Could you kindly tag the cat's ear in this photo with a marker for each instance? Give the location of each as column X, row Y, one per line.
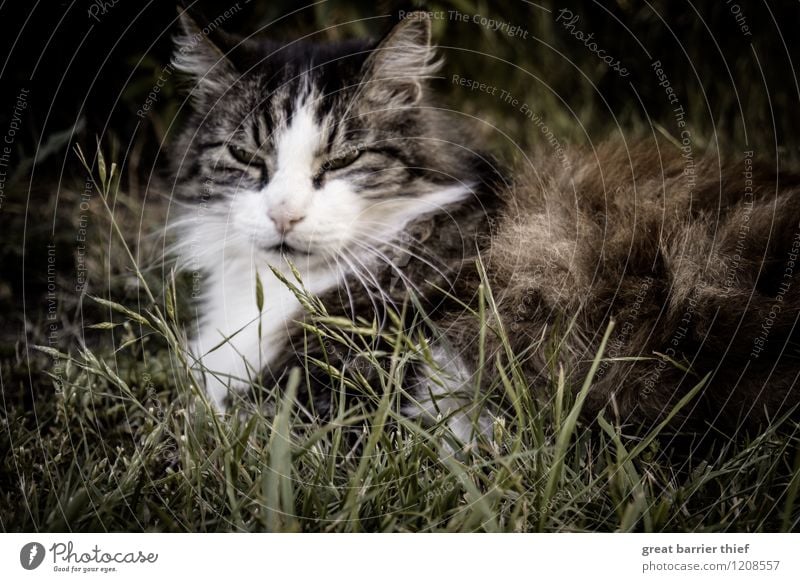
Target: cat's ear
column 396, row 71
column 202, row 55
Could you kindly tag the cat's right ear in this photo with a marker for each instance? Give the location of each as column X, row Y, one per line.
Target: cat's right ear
column 202, row 55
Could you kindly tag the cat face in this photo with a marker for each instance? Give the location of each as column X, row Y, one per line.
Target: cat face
column 310, row 150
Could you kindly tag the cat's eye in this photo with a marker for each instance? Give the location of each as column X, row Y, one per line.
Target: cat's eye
column 242, row 155
column 342, row 159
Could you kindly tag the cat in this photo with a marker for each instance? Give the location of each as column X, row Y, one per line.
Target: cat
column 333, row 163
column 325, row 156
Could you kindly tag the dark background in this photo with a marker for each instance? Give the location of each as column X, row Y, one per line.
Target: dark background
column 96, row 72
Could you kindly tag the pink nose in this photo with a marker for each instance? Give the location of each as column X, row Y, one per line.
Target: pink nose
column 284, row 219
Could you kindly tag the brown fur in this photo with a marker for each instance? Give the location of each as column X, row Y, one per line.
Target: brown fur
column 690, row 272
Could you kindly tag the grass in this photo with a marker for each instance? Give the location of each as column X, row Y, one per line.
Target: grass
column 111, row 433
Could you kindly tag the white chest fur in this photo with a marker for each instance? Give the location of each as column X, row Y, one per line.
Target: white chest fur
column 231, row 313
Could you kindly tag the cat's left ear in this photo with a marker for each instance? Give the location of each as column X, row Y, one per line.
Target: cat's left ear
column 203, row 55
column 398, row 67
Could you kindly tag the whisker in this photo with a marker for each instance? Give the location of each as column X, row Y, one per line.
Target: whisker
column 387, row 300
column 408, row 283
column 411, row 253
column 364, row 284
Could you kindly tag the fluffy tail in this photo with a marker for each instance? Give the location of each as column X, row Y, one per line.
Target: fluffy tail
column 697, row 263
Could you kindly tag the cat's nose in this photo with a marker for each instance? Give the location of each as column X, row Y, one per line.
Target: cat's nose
column 284, row 219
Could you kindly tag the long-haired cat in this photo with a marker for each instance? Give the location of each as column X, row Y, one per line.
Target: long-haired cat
column 333, row 159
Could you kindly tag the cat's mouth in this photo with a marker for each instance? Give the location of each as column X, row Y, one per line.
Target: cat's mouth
column 285, row 248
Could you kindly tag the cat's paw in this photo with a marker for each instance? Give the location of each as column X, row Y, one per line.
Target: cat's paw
column 216, row 392
column 464, row 433
column 221, row 373
column 219, row 387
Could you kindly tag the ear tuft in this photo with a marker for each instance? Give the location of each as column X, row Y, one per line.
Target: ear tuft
column 398, row 67
column 202, row 59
